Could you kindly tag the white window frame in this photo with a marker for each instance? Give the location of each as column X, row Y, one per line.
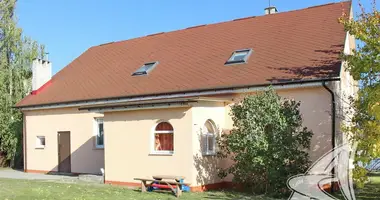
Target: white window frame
column 143, row 72
column 153, row 140
column 205, row 136
column 38, row 141
column 231, row 60
column 97, row 121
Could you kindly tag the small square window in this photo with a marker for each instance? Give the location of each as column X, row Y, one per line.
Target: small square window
column 145, row 69
column 40, row 142
column 240, row 56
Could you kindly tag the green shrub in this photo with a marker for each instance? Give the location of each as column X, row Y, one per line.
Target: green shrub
column 267, row 144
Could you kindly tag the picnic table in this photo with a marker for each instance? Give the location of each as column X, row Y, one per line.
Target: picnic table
column 174, row 183
column 176, row 178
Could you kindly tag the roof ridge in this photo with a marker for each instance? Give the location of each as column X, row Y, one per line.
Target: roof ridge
column 106, row 43
column 316, row 6
column 153, row 34
column 289, row 11
column 244, row 18
column 237, row 19
column 197, row 26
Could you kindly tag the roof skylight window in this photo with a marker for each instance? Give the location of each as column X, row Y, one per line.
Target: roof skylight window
column 145, row 69
column 239, row 56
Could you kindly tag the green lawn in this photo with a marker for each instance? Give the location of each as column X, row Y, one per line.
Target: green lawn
column 24, row 190
column 371, row 190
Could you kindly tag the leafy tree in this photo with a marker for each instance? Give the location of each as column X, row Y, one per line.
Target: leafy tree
column 267, row 144
column 364, row 66
column 16, row 55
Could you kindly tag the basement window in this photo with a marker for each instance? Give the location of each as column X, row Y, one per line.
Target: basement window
column 145, row 69
column 239, row 56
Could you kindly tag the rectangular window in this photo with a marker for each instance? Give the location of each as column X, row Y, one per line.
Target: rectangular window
column 208, row 141
column 40, row 142
column 239, row 56
column 145, row 69
column 99, row 133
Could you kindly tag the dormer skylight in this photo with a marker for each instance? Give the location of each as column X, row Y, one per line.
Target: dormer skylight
column 145, row 69
column 239, row 56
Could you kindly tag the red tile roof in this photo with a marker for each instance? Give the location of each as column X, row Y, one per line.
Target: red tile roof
column 295, row 45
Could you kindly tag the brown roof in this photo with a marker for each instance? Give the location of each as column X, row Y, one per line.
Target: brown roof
column 288, row 46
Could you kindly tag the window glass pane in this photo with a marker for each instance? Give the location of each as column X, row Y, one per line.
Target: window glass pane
column 40, row 141
column 164, row 126
column 163, row 142
column 210, row 143
column 144, row 69
column 238, row 58
column 163, row 138
column 209, row 134
column 100, row 136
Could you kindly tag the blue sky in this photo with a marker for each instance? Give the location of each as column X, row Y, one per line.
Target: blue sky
column 69, row 27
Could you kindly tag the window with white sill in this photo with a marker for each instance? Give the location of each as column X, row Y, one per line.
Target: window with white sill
column 163, row 139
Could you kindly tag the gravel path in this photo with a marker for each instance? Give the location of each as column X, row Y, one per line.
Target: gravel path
column 15, row 174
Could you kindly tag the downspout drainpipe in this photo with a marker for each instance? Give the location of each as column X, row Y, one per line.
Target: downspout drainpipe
column 333, row 113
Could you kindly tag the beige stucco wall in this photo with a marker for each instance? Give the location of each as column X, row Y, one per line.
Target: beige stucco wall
column 84, row 157
column 315, row 109
column 205, row 166
column 128, row 139
column 316, row 114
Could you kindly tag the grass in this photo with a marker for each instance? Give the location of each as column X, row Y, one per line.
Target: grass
column 44, row 190
column 371, row 191
column 28, row 190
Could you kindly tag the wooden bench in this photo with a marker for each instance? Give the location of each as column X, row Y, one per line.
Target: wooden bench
column 175, row 186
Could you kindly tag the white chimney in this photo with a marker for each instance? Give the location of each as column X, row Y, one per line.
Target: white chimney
column 41, row 70
column 270, row 10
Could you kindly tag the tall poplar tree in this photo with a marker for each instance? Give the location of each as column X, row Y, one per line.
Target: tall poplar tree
column 364, row 66
column 16, row 55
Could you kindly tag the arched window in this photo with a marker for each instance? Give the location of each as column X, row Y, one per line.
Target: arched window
column 208, row 138
column 163, row 138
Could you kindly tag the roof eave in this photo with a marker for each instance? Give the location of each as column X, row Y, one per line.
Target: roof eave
column 181, row 94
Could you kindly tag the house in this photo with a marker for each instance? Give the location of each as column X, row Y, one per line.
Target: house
column 154, row 104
